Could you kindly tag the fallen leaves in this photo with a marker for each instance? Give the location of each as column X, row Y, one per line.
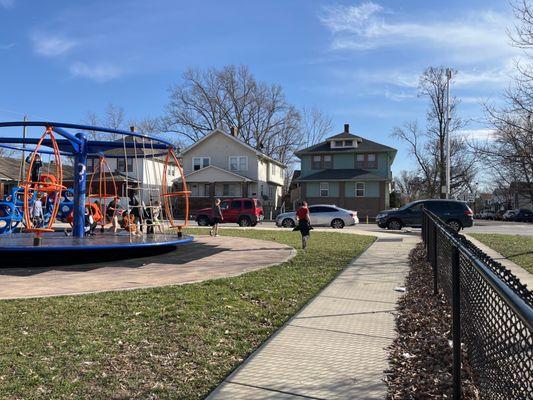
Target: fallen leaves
column 421, row 357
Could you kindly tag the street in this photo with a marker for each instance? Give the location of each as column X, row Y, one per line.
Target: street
column 480, row 226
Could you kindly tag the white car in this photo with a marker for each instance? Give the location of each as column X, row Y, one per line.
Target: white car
column 487, row 214
column 509, row 215
column 321, row 215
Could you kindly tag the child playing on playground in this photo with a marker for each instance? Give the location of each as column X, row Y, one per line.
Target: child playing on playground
column 112, row 213
column 90, row 224
column 36, row 167
column 37, row 212
column 217, row 218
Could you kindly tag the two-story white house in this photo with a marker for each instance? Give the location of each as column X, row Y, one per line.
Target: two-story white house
column 139, row 168
column 221, row 165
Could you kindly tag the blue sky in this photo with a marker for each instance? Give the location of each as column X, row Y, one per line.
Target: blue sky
column 358, row 61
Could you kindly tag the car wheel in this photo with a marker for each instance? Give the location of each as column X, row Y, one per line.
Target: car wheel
column 455, row 225
column 244, row 221
column 288, row 223
column 394, row 225
column 202, row 220
column 337, row 223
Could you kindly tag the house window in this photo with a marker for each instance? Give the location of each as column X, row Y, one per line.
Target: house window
column 324, row 189
column 225, row 189
column 238, row 163
column 317, row 162
column 199, row 189
column 91, row 164
column 338, row 143
column 348, row 143
column 360, row 161
column 200, row 162
column 121, row 165
column 327, row 163
column 372, row 162
column 359, row 189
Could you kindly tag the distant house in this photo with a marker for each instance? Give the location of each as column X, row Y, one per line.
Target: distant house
column 221, row 165
column 349, row 171
column 10, row 171
column 140, row 167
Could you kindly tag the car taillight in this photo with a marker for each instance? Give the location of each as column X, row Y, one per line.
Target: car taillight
column 469, row 213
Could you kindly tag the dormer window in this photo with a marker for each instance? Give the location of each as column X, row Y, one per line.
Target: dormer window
column 343, row 143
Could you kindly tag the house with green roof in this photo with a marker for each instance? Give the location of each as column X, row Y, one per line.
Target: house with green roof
column 349, row 171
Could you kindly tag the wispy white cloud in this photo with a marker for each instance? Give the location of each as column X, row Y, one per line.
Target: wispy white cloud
column 50, row 46
column 399, row 96
column 7, row 3
column 7, row 46
column 370, row 26
column 96, row 72
column 477, row 134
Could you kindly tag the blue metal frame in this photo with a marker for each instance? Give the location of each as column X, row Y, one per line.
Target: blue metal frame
column 80, row 148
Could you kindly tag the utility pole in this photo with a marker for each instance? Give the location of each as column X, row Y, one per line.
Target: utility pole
column 448, row 119
column 23, row 162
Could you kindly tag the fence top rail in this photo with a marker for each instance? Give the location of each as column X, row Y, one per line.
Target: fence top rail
column 516, row 302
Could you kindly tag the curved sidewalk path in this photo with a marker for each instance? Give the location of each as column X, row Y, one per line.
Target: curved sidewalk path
column 205, row 258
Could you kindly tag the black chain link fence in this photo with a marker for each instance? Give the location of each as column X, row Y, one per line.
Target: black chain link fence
column 492, row 313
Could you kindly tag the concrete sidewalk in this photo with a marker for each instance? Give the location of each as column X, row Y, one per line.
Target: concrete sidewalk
column 336, row 347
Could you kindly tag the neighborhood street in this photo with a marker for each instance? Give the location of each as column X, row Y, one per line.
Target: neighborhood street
column 480, row 226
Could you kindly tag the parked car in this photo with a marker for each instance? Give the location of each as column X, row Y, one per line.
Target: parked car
column 321, row 215
column 509, row 215
column 487, row 214
column 498, row 216
column 243, row 211
column 523, row 215
column 455, row 213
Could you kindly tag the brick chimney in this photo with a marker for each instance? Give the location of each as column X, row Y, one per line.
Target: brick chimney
column 346, row 128
column 234, row 131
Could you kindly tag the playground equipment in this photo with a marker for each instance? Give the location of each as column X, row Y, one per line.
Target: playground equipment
column 144, row 188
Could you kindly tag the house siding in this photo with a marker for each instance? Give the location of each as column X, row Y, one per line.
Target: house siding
column 344, row 161
column 219, row 147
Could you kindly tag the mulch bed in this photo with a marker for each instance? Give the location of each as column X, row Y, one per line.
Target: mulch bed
column 421, row 356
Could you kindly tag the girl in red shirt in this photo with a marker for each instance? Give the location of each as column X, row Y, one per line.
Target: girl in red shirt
column 304, row 223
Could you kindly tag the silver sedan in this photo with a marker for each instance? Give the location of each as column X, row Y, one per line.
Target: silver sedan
column 321, row 215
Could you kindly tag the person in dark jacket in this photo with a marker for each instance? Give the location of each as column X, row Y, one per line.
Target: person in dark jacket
column 35, row 168
column 217, row 218
column 136, row 210
column 304, row 223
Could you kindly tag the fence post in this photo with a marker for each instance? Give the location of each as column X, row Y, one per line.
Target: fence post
column 435, row 258
column 456, row 322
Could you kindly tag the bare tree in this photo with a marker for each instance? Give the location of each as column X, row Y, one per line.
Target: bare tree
column 315, row 125
column 232, row 97
column 427, row 144
column 509, row 154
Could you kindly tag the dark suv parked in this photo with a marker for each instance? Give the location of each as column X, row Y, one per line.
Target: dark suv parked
column 523, row 215
column 456, row 213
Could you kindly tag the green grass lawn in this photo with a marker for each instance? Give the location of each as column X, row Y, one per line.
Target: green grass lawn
column 168, row 343
column 516, row 248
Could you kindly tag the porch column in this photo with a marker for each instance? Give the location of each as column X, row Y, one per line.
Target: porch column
column 212, row 192
column 244, row 189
